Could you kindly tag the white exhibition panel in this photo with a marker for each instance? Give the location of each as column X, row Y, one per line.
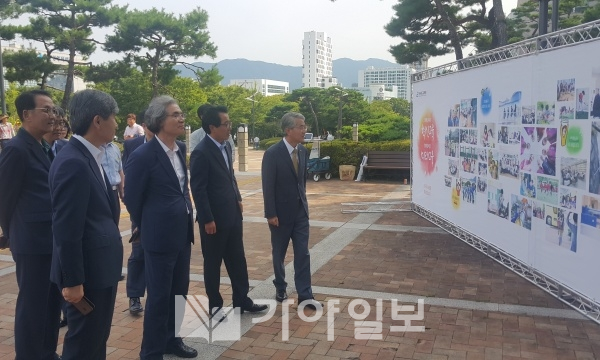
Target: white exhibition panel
column 508, row 152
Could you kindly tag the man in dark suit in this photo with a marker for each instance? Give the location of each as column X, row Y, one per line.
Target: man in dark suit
column 26, row 219
column 159, row 202
column 219, row 213
column 88, row 252
column 286, row 208
column 136, row 279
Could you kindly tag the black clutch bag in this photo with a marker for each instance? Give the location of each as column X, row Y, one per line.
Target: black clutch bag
column 135, row 236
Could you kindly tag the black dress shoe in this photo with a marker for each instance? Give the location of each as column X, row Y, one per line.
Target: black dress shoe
column 254, row 308
column 281, row 295
column 135, row 306
column 310, row 304
column 180, row 349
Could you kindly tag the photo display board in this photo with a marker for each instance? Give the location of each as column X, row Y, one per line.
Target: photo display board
column 511, row 153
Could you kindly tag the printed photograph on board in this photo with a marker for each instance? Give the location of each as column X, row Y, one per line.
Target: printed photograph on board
column 482, row 169
column 481, row 184
column 468, row 113
column 538, row 150
column 561, row 228
column 565, row 90
column 468, row 136
column 469, row 186
column 567, row 197
column 590, row 216
column 527, row 185
column 468, row 159
column 453, row 116
column 447, row 181
column 595, row 104
column 487, row 135
column 547, row 189
column 453, row 167
column 528, row 115
column 509, row 165
column 544, row 113
column 538, row 209
column 520, row 211
column 497, row 202
column 573, row 172
column 451, row 143
column 582, row 107
column 509, row 110
column 566, row 112
column 594, row 173
column 493, row 169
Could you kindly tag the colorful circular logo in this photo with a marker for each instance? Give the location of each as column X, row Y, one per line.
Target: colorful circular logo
column 428, row 142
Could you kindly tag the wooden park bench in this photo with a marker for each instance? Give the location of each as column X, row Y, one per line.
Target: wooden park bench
column 387, row 160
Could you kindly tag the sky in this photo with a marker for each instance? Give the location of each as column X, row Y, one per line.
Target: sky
column 272, row 30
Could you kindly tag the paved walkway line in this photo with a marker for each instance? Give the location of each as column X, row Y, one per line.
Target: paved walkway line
column 453, row 303
column 320, row 254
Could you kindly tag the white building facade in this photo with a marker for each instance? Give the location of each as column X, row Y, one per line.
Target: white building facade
column 396, row 76
column 378, row 92
column 317, row 62
column 264, row 86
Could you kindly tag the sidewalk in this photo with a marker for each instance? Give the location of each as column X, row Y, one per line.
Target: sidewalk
column 474, row 308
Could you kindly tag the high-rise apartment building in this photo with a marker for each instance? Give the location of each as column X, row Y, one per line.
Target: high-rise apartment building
column 396, row 76
column 317, row 63
column 264, row 86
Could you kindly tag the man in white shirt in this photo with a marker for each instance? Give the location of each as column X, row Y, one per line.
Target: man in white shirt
column 132, row 130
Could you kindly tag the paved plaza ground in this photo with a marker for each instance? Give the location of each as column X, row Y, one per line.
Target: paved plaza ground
column 474, row 308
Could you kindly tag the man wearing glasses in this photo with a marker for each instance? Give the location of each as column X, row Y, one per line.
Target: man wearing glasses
column 26, row 219
column 219, row 214
column 286, row 207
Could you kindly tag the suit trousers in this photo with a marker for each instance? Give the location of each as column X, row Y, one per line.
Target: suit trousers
column 298, row 231
column 226, row 245
column 167, row 275
column 37, row 313
column 116, row 206
column 87, row 334
column 136, row 278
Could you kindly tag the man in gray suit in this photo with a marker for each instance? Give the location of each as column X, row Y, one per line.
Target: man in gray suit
column 286, row 208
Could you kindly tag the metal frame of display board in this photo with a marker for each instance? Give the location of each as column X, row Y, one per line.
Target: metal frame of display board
column 568, row 37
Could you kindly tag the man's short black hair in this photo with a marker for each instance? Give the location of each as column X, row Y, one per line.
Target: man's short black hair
column 202, row 110
column 211, row 117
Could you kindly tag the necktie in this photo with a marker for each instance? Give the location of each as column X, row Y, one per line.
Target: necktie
column 295, row 159
column 48, row 151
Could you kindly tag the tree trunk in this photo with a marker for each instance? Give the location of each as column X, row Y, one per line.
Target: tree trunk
column 155, row 64
column 69, row 83
column 314, row 115
column 454, row 38
column 498, row 25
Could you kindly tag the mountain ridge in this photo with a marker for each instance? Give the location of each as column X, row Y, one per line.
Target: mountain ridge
column 344, row 69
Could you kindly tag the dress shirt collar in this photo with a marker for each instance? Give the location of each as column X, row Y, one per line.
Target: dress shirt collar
column 289, row 147
column 97, row 153
column 175, row 148
column 216, row 142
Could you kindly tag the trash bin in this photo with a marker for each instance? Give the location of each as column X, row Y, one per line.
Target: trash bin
column 347, row 172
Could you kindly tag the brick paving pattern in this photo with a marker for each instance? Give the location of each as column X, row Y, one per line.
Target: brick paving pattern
column 429, row 264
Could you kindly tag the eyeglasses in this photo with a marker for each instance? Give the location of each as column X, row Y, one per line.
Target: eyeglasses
column 301, row 127
column 60, row 124
column 226, row 123
column 177, row 115
column 49, row 111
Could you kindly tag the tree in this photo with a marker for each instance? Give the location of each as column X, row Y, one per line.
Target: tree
column 71, row 23
column 439, row 27
column 22, row 66
column 111, row 70
column 156, row 39
column 208, row 78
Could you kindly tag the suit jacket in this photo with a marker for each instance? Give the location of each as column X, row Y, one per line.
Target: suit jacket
column 155, row 200
column 282, row 187
column 129, row 146
column 214, row 186
column 25, row 207
column 87, row 242
column 60, row 144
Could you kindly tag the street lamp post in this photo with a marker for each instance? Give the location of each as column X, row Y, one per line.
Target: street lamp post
column 253, row 122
